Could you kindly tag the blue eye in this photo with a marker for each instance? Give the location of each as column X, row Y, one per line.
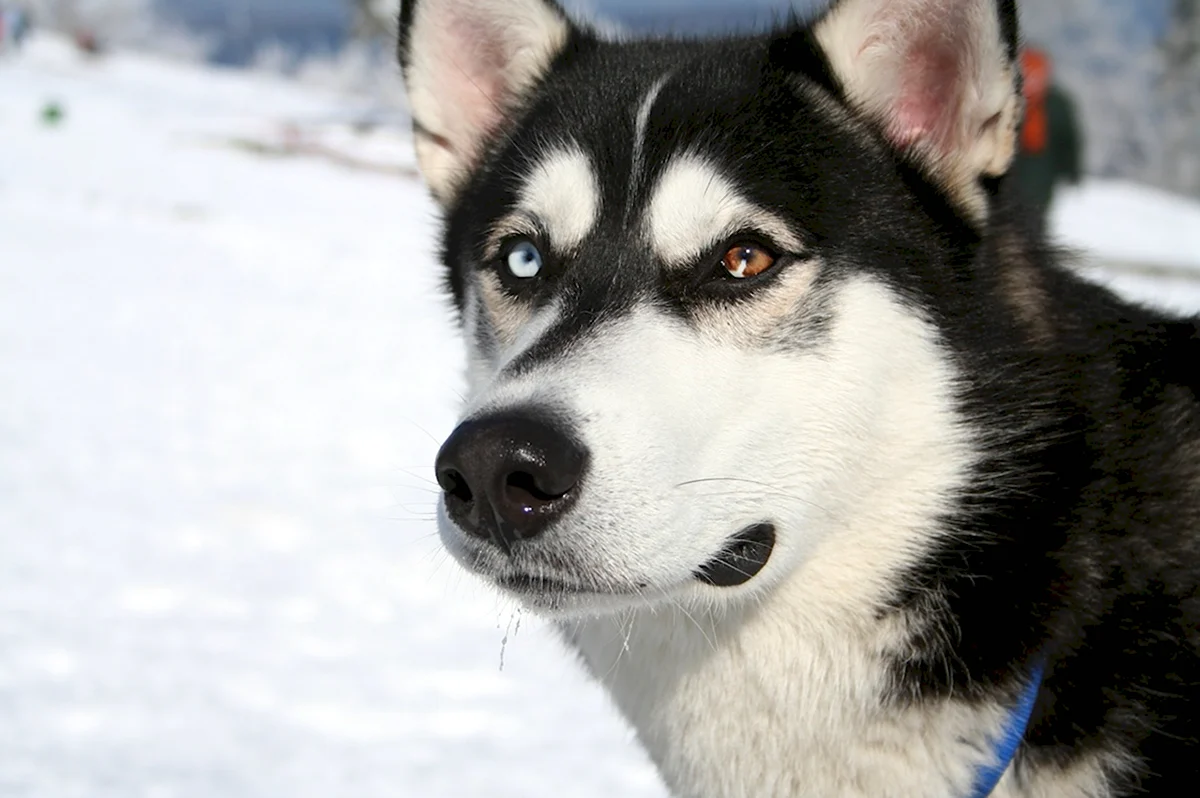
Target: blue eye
column 524, row 261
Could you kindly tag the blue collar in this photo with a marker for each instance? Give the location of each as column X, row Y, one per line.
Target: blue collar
column 1010, row 738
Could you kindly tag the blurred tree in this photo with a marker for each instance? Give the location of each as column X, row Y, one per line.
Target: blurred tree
column 1106, row 57
column 1180, row 92
column 374, row 19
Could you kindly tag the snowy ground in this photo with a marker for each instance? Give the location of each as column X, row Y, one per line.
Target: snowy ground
column 224, row 372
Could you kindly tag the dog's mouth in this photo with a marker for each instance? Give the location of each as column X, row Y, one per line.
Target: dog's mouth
column 531, row 584
column 743, row 557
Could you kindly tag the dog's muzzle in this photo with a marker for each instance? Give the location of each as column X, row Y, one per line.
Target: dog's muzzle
column 508, row 477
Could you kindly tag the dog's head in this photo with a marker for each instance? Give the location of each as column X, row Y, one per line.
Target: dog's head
column 696, row 280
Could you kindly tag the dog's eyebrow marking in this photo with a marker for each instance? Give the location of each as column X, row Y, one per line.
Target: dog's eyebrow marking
column 562, row 195
column 641, row 122
column 694, row 207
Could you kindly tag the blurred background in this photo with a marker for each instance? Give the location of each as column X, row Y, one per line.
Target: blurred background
column 1132, row 65
column 226, row 365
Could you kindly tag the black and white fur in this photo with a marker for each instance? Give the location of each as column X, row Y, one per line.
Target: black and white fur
column 974, row 463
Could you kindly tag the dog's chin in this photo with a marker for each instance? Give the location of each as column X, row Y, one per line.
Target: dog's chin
column 558, row 596
column 568, row 602
column 554, row 595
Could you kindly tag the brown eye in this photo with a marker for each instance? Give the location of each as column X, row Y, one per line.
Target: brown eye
column 747, row 260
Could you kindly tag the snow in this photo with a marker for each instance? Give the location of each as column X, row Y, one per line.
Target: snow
column 1136, row 239
column 1131, row 224
column 226, row 365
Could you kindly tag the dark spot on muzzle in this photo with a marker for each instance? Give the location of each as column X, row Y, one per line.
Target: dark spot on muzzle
column 744, row 555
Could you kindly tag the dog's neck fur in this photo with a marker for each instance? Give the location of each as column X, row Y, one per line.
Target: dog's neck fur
column 706, row 698
column 708, row 702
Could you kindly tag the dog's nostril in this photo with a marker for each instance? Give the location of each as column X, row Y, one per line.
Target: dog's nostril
column 519, row 483
column 507, row 477
column 454, row 484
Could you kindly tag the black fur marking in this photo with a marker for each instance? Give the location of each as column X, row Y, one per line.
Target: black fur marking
column 743, row 557
column 797, row 51
column 1079, row 544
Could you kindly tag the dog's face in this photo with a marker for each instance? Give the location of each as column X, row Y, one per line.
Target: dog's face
column 691, row 281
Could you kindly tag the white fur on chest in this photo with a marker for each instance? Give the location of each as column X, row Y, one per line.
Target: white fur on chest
column 768, row 704
column 761, row 706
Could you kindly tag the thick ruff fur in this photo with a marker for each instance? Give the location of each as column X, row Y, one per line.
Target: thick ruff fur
column 974, row 464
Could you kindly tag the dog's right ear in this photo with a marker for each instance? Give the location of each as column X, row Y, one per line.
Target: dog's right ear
column 467, row 65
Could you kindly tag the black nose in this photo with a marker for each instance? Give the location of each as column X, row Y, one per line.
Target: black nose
column 507, row 477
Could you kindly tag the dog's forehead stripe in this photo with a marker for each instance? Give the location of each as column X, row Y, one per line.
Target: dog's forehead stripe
column 694, row 207
column 562, row 193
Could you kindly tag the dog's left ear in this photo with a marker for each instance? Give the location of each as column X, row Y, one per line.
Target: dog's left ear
column 939, row 76
column 468, row 64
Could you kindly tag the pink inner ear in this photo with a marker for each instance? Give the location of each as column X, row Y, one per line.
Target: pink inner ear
column 929, row 101
column 478, row 60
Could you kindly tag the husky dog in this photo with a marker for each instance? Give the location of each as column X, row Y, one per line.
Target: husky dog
column 783, row 411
